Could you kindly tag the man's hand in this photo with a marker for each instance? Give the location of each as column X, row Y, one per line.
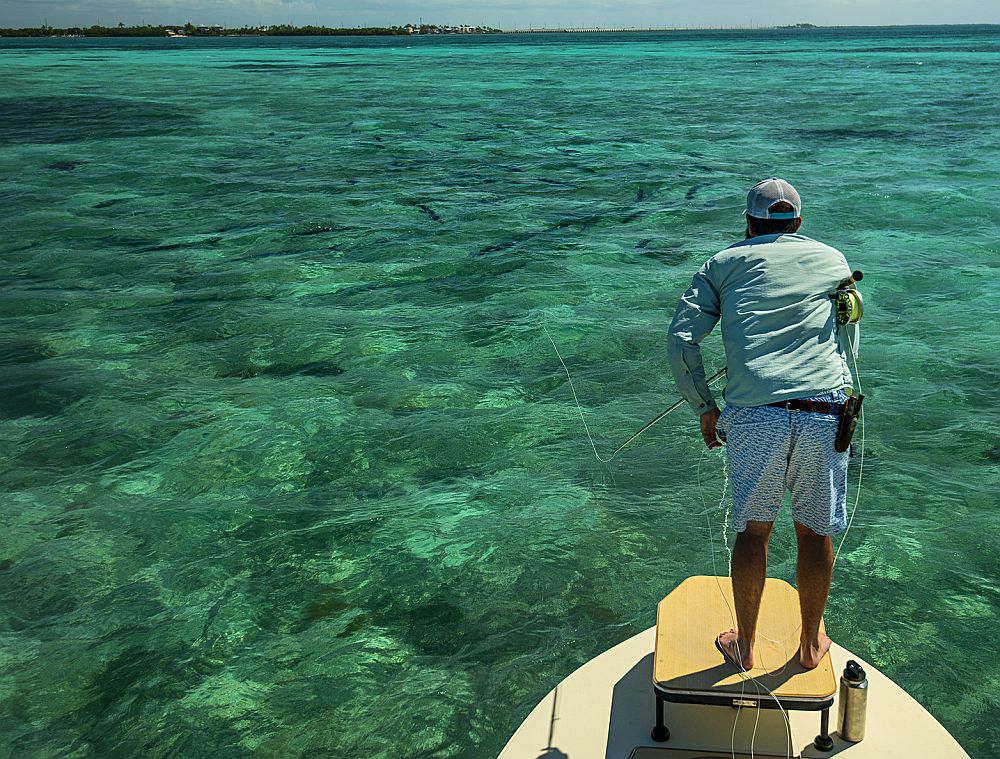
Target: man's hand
column 709, row 433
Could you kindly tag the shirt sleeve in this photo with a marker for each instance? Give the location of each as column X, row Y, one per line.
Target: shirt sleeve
column 696, row 316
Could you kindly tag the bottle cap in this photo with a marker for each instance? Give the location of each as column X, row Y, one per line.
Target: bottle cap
column 853, row 672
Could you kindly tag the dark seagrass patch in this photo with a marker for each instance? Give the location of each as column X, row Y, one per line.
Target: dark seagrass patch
column 74, row 118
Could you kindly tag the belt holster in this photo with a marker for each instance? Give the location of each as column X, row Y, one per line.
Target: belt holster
column 848, row 421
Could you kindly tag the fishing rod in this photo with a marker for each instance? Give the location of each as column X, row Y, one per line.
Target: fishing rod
column 579, row 408
column 649, row 424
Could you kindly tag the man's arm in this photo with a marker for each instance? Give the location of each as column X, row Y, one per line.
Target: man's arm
column 696, row 316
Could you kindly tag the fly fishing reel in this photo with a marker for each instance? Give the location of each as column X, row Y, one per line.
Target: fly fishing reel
column 847, row 301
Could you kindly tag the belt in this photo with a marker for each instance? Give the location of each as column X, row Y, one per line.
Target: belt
column 812, row 407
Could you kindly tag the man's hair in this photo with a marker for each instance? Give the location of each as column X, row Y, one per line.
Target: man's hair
column 773, row 226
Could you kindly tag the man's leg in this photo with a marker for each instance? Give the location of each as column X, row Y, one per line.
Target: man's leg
column 757, row 444
column 813, row 571
column 817, row 477
column 748, row 574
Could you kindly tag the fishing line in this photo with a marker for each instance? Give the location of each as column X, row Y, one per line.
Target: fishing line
column 575, row 399
column 744, row 674
column 722, row 500
column 645, row 427
column 852, row 337
column 861, row 460
column 705, row 509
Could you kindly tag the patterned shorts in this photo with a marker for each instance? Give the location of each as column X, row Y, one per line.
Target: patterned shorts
column 771, row 449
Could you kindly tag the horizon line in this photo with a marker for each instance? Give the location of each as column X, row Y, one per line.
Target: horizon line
column 559, row 28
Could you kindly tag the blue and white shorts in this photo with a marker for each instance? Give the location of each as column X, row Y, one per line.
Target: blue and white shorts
column 770, row 449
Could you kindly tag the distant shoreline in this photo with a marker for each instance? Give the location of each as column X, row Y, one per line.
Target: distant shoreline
column 279, row 30
column 188, row 30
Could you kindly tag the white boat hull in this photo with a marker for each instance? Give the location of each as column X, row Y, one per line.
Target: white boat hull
column 606, row 709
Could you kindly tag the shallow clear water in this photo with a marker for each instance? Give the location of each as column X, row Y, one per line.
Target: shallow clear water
column 289, row 465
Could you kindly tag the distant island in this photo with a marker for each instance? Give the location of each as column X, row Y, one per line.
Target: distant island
column 279, row 30
column 286, row 30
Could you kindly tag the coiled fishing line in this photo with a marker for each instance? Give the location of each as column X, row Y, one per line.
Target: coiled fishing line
column 723, row 503
column 744, row 674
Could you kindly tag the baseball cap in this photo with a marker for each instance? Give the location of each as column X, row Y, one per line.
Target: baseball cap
column 765, row 194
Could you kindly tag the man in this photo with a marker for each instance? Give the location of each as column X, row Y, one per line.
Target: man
column 787, row 373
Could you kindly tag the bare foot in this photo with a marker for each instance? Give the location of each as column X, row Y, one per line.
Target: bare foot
column 811, row 654
column 737, row 652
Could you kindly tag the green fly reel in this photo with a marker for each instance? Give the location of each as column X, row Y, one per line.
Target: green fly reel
column 850, row 307
column 847, row 300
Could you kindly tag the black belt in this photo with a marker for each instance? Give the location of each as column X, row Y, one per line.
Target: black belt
column 813, row 407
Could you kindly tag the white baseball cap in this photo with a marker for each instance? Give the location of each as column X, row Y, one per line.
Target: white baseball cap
column 765, row 194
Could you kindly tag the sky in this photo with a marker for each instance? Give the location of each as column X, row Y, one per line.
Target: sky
column 505, row 14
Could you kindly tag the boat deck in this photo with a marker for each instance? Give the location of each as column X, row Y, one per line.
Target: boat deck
column 606, row 709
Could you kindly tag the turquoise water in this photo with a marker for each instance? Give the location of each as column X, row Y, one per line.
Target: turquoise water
column 289, row 467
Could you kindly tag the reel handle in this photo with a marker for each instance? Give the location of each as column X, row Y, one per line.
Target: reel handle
column 856, row 276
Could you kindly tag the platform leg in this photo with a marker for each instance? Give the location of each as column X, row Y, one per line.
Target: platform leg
column 823, row 741
column 660, row 732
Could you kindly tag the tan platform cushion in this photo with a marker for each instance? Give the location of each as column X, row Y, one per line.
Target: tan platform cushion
column 687, row 661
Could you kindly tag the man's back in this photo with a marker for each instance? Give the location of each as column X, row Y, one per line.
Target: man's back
column 778, row 321
column 778, row 326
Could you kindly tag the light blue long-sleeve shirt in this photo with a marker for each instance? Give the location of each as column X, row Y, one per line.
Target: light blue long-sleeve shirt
column 778, row 323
